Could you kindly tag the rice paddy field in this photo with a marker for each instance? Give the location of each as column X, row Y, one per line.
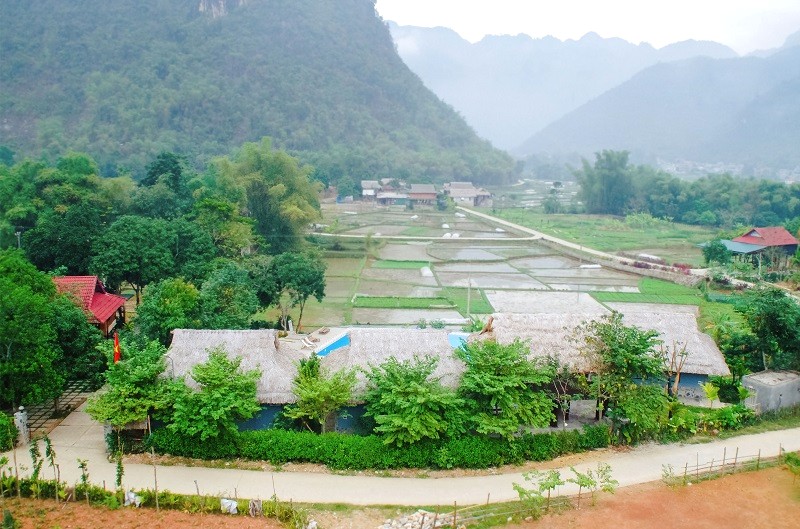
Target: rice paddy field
column 390, row 266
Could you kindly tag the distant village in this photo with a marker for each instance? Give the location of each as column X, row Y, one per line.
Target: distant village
column 393, row 192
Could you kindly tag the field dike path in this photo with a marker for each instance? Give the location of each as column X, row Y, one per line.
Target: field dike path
column 79, row 437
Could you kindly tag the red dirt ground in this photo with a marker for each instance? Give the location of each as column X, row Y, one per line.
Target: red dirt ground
column 750, row 500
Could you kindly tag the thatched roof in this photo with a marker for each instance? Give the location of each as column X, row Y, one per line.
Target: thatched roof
column 373, row 346
column 556, row 335
column 257, row 350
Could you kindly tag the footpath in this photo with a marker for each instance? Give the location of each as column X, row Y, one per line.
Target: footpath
column 79, row 437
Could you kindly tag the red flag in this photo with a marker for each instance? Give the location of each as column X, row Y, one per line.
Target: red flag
column 117, row 351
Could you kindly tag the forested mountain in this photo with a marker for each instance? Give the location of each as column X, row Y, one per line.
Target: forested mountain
column 124, row 81
column 508, row 87
column 743, row 110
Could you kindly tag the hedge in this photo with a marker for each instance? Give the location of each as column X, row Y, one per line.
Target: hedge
column 352, row 452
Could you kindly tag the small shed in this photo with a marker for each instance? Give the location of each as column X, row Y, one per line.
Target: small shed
column 772, row 390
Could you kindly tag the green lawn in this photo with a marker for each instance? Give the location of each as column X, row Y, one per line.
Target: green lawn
column 478, row 304
column 672, row 241
column 379, row 302
column 402, row 265
column 654, row 291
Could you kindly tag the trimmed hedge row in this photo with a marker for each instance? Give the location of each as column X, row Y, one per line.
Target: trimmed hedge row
column 352, row 452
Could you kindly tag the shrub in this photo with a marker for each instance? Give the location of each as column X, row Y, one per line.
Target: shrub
column 345, row 451
column 8, row 433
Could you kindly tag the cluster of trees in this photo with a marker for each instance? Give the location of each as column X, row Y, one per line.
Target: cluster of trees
column 208, row 250
column 612, row 186
column 770, row 336
column 45, row 339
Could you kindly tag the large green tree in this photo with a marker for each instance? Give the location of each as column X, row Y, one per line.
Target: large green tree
column 167, row 305
column 224, row 396
column 29, row 349
column 606, row 186
column 279, row 193
column 227, row 298
column 504, row 390
column 134, row 250
column 774, row 319
column 409, row 404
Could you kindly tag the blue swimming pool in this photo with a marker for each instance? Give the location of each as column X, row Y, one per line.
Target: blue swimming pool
column 341, row 341
column 457, row 339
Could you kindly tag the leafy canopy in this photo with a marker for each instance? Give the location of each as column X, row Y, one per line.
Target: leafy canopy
column 225, row 396
column 319, row 393
column 503, row 389
column 409, row 404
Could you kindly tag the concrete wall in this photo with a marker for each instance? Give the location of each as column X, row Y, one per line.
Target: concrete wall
column 767, row 397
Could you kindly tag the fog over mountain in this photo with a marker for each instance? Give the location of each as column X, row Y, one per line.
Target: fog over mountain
column 743, row 110
column 509, row 87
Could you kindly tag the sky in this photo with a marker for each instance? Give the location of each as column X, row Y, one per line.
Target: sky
column 744, row 25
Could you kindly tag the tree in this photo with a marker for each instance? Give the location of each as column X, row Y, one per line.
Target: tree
column 78, row 341
column 279, row 193
column 225, row 395
column 607, row 186
column 409, row 404
column 624, row 368
column 29, row 350
column 774, row 319
column 297, row 277
column 64, row 239
column 227, row 298
column 716, row 252
column 503, row 390
column 135, row 250
column 319, row 393
column 135, row 385
column 168, row 305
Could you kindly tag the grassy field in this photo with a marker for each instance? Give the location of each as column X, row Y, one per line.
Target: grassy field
column 401, row 265
column 392, row 302
column 478, row 304
column 669, row 240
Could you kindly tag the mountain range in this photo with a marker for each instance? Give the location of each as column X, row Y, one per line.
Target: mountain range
column 124, row 81
column 692, row 100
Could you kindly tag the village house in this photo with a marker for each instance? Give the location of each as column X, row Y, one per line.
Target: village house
column 422, row 195
column 102, row 309
column 466, row 194
column 775, row 242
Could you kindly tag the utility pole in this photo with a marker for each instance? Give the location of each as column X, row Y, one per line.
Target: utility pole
column 469, row 295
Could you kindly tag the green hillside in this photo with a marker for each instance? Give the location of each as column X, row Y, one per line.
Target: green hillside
column 123, row 81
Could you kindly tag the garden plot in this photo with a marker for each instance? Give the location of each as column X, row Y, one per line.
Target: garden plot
column 456, row 253
column 406, row 316
column 324, row 314
column 487, row 268
column 544, row 302
column 545, row 262
column 347, row 267
column 592, row 287
column 651, row 308
column 379, row 229
column 490, row 280
column 385, row 288
column 338, row 288
column 405, row 252
column 398, row 275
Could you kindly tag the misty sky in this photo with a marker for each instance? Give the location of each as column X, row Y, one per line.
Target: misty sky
column 744, row 25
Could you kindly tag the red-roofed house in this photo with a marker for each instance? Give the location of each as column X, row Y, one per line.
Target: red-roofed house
column 102, row 309
column 773, row 237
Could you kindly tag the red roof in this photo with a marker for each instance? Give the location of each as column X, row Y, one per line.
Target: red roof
column 90, row 293
column 773, row 236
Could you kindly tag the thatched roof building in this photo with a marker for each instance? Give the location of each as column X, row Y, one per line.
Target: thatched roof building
column 257, row 350
column 556, row 335
column 371, row 346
